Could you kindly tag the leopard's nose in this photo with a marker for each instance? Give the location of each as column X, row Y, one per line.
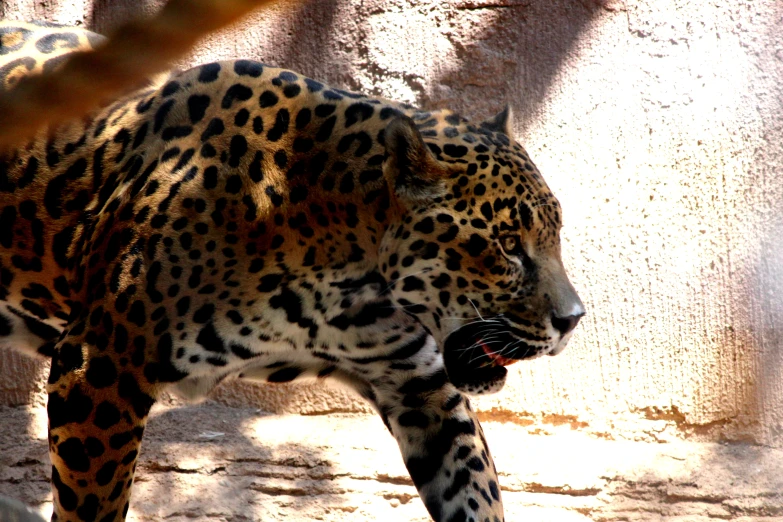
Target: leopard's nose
column 566, row 324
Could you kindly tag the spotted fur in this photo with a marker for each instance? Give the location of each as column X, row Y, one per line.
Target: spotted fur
column 240, row 220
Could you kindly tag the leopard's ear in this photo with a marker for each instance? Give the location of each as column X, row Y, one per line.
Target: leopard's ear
column 411, row 169
column 501, row 122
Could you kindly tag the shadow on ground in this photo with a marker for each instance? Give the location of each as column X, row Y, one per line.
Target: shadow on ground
column 211, row 462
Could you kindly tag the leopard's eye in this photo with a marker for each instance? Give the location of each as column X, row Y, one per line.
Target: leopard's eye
column 512, row 245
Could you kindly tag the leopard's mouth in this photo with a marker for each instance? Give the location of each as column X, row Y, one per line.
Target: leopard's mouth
column 474, row 360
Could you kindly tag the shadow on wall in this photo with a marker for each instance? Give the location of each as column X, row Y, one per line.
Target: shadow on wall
column 511, row 52
column 468, row 55
column 735, row 351
column 768, row 281
column 103, row 16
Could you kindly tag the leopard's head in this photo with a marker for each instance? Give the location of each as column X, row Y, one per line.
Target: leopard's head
column 475, row 255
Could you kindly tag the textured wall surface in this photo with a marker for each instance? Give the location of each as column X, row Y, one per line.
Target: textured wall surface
column 658, row 125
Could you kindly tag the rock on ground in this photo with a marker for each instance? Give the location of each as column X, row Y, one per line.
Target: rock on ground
column 216, row 463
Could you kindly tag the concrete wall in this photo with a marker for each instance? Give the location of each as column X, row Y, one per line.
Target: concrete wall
column 658, row 125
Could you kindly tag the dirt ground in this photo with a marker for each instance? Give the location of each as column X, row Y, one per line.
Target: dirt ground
column 217, row 463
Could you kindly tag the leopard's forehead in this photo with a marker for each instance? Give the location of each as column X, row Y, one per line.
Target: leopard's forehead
column 493, row 181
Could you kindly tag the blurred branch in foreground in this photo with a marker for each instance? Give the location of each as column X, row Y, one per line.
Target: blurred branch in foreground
column 135, row 51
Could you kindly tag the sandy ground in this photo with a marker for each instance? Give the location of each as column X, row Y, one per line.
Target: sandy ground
column 216, row 463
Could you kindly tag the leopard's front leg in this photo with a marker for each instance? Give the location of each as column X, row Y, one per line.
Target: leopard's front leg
column 442, row 445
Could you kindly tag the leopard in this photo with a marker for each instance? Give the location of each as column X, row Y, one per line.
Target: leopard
column 241, row 221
